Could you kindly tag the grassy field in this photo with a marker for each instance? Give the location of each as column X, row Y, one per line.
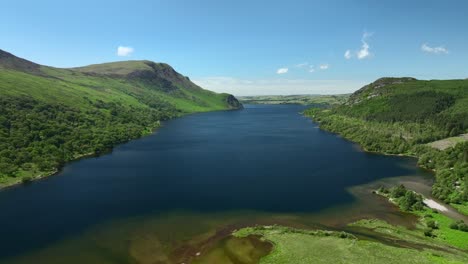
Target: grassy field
column 301, row 246
column 317, row 100
column 444, row 236
column 448, row 142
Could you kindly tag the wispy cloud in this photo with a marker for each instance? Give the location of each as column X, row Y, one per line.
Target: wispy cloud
column 434, row 50
column 305, row 66
column 123, row 51
column 302, row 65
column 348, row 54
column 278, row 86
column 324, row 67
column 282, row 70
column 363, row 52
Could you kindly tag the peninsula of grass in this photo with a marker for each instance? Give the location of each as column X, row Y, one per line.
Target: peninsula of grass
column 303, row 246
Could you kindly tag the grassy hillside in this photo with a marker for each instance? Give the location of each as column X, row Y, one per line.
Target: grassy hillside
column 49, row 116
column 316, row 100
column 403, row 115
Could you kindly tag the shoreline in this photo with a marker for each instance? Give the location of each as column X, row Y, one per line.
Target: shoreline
column 58, row 170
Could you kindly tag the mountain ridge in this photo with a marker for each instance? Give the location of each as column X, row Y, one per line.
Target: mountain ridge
column 12, row 62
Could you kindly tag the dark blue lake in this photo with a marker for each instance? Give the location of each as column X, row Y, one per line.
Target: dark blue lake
column 265, row 158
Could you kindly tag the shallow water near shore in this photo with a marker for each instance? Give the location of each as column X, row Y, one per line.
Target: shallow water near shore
column 176, row 195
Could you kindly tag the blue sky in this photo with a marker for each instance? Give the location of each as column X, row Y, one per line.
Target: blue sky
column 249, row 47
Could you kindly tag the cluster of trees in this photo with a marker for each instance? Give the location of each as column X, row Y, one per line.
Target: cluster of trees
column 406, row 199
column 37, row 137
column 459, row 225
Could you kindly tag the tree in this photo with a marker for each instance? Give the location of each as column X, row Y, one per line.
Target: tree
column 8, row 169
column 398, row 191
column 432, row 224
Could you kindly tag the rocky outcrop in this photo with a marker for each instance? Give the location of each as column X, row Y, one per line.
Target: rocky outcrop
column 233, row 103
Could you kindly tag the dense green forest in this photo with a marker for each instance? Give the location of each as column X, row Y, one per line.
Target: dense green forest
column 49, row 116
column 403, row 115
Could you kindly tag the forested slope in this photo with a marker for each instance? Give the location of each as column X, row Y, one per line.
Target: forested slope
column 403, row 115
column 49, row 116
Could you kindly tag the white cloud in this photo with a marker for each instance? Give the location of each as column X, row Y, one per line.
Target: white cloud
column 277, row 86
column 324, row 66
column 282, row 70
column 434, row 50
column 362, row 53
column 348, row 54
column 124, row 51
column 311, row 69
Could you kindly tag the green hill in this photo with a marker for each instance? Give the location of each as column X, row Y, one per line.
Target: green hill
column 49, row 116
column 403, row 116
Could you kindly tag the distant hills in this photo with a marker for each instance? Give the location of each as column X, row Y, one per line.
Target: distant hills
column 312, row 99
column 52, row 115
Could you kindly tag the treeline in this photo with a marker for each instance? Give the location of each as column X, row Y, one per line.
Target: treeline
column 406, row 137
column 37, row 138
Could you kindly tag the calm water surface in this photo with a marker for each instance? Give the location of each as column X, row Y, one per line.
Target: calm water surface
column 195, row 177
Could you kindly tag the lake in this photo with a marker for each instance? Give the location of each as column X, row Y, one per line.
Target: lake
column 178, row 191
